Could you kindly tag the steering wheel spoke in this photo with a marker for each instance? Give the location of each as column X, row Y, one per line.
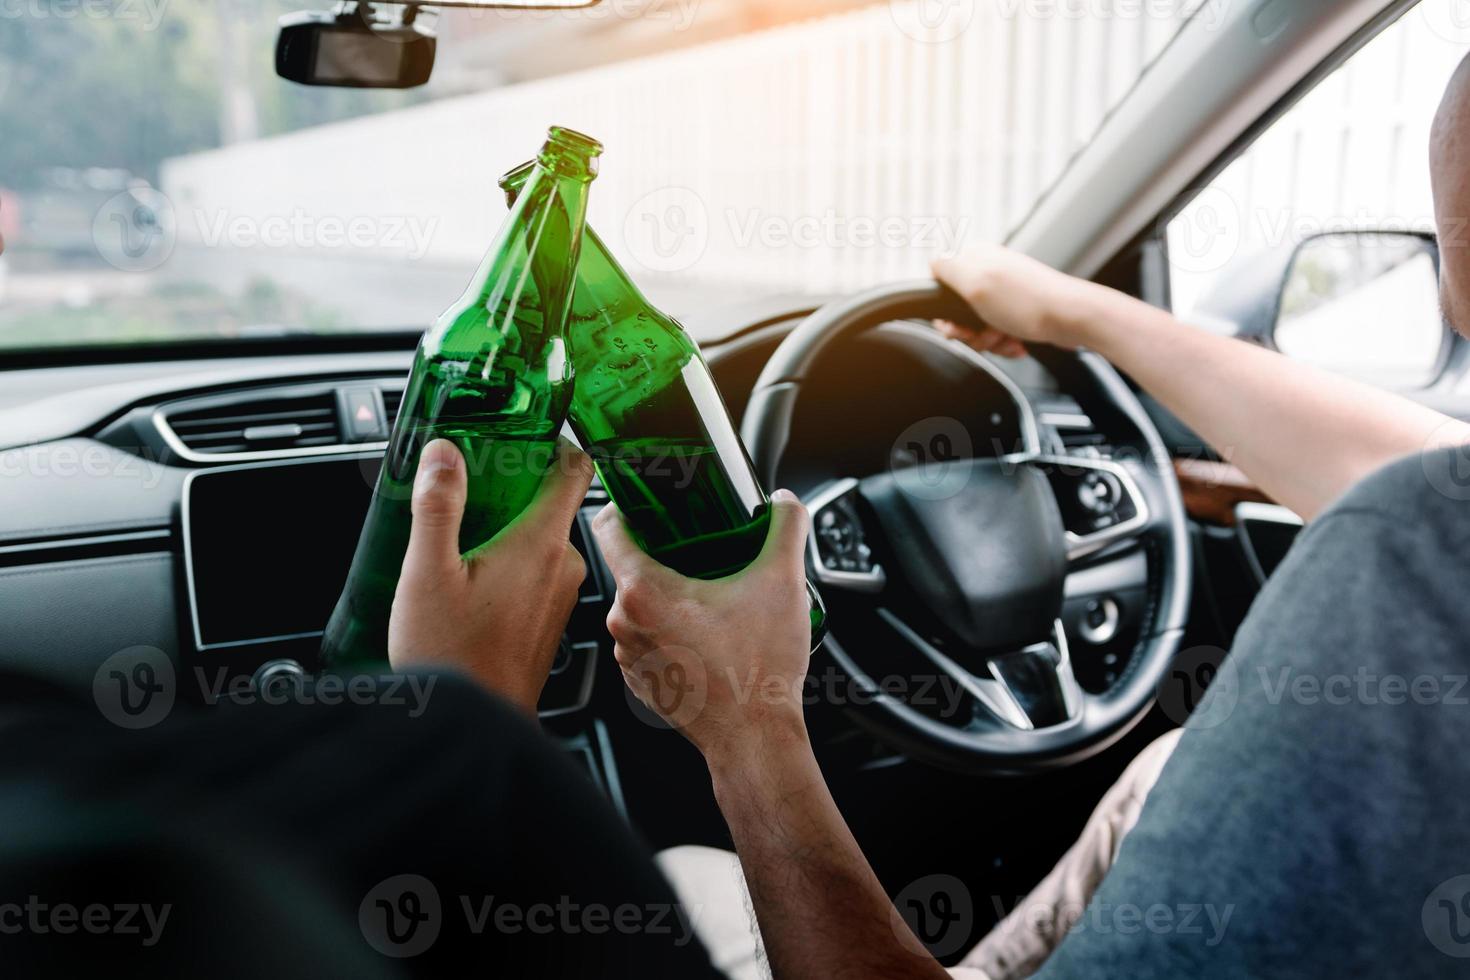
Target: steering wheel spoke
column 1024, row 689
column 838, row 547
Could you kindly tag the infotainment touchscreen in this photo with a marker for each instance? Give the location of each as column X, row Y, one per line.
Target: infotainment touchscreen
column 267, row 547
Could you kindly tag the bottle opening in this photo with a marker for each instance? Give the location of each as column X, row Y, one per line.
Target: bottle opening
column 570, row 153
column 576, row 142
column 512, row 180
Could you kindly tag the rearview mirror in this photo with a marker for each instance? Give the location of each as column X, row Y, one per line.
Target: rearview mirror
column 367, row 45
column 1365, row 304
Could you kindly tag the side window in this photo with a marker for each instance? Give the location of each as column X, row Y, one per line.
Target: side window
column 1275, row 247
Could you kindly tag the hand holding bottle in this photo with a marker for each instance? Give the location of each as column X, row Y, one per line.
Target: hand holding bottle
column 498, row 613
column 721, row 660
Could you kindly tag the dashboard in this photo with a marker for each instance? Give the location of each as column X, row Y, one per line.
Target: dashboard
column 208, row 508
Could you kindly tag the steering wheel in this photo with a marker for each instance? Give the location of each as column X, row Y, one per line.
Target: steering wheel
column 963, row 561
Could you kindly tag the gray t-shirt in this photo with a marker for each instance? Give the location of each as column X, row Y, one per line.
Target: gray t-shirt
column 1315, row 818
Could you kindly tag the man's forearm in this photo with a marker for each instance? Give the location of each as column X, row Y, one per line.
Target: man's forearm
column 822, row 911
column 1302, row 434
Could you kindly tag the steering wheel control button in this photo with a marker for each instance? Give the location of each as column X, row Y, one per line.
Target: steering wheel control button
column 840, row 553
column 1100, row 619
column 840, row 539
column 1099, row 493
column 1098, row 500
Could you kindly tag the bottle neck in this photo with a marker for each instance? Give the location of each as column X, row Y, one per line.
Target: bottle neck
column 525, row 282
column 603, row 287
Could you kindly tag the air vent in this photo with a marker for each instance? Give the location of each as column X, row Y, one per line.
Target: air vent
column 1071, row 432
column 392, row 398
column 259, row 425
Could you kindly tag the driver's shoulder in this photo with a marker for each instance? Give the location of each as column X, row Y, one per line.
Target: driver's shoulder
column 1424, row 494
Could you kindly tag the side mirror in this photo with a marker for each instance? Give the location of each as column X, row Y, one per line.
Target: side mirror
column 1365, row 304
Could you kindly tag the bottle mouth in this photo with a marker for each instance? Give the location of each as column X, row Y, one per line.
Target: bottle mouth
column 570, row 153
column 579, row 143
column 513, row 179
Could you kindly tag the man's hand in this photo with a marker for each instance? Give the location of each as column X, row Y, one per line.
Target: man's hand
column 499, row 613
column 724, row 662
column 721, row 661
column 1018, row 298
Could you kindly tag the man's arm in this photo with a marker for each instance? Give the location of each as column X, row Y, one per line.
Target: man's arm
column 1303, row 435
column 724, row 663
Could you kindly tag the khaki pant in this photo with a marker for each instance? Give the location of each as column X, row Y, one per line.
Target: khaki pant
column 712, row 889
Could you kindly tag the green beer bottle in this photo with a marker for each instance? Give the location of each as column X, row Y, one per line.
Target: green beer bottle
column 647, row 411
column 492, row 375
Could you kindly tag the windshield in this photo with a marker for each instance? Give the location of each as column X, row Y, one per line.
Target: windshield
column 158, row 182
